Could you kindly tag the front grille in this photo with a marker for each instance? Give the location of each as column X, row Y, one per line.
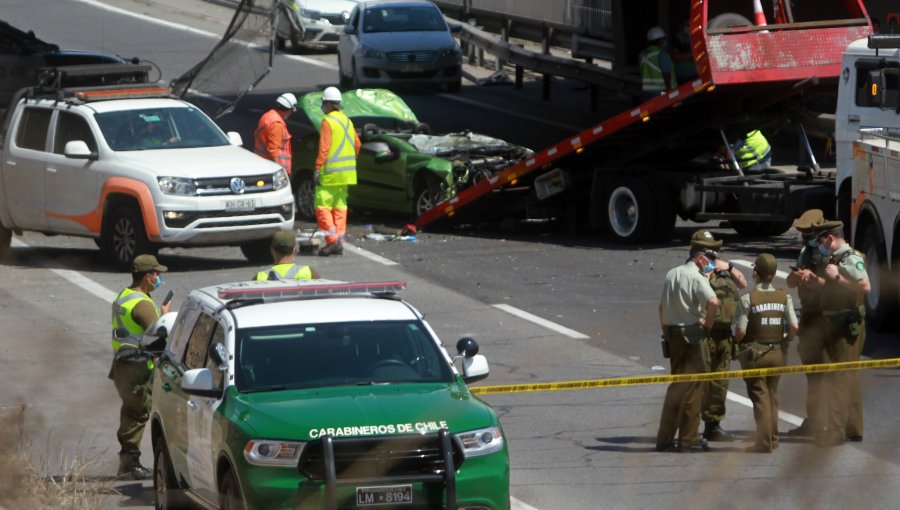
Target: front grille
column 329, row 38
column 211, row 215
column 401, row 75
column 411, row 56
column 379, row 457
column 222, row 185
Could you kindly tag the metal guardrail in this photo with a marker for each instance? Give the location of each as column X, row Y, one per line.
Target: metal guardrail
column 593, row 18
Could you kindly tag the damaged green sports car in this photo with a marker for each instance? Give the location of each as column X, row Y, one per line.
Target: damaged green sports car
column 402, row 167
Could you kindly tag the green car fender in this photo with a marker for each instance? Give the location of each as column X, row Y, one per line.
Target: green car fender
column 420, row 167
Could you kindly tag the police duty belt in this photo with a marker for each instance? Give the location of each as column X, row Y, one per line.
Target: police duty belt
column 683, row 378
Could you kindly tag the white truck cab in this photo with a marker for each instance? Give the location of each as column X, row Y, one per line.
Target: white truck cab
column 136, row 170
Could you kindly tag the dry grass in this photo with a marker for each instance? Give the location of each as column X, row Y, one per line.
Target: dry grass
column 25, row 482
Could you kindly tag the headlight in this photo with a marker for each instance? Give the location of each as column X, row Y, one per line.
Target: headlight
column 310, row 14
column 371, row 53
column 448, row 52
column 177, row 186
column 481, row 442
column 280, row 180
column 261, row 452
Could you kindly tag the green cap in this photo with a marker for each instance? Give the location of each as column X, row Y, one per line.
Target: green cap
column 146, row 263
column 705, row 239
column 809, row 220
column 765, row 264
column 828, row 227
column 284, row 241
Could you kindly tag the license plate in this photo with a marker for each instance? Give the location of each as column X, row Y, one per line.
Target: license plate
column 412, row 68
column 246, row 204
column 390, row 495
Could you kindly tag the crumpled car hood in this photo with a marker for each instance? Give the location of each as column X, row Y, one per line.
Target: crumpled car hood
column 454, row 143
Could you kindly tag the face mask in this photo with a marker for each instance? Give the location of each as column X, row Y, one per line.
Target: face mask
column 812, row 243
column 823, row 250
column 710, row 265
column 159, row 282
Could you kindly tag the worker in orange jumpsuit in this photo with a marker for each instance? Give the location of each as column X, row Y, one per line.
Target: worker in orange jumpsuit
column 272, row 138
column 335, row 171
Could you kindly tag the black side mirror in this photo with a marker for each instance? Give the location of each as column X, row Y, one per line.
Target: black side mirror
column 219, row 355
column 121, row 333
column 349, row 29
column 467, row 346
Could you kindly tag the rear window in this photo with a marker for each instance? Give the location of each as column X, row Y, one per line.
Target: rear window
column 32, row 133
column 351, row 353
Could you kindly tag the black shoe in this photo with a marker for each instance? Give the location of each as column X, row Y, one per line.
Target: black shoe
column 136, row 472
column 336, row 248
column 702, row 446
column 662, row 447
column 804, row 430
column 715, row 432
column 855, row 439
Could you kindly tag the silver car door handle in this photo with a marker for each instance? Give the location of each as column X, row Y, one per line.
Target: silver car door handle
column 51, row 169
column 11, row 163
column 191, row 404
column 853, row 118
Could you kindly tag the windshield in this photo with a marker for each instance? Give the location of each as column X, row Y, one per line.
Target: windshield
column 403, row 19
column 337, row 354
column 159, row 128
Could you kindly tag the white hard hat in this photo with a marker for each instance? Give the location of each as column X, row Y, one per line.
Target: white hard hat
column 331, row 94
column 287, row 101
column 656, row 33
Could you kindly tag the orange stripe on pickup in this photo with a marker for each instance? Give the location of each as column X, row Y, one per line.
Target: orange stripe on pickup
column 93, row 220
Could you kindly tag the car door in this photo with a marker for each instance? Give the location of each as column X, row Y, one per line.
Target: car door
column 24, row 168
column 347, row 44
column 200, row 410
column 72, row 186
column 381, row 184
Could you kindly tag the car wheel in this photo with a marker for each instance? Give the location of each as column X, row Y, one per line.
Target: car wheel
column 230, row 492
column 342, row 78
column 124, row 237
column 5, row 241
column 257, row 251
column 354, row 78
column 880, row 305
column 428, row 193
column 167, row 494
column 631, row 210
column 305, row 195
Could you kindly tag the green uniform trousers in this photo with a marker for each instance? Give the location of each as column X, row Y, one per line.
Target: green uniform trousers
column 715, row 392
column 811, row 348
column 681, row 408
column 842, row 387
column 132, row 380
column 854, row 403
column 763, row 392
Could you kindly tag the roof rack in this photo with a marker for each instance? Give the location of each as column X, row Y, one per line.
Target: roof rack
column 93, row 75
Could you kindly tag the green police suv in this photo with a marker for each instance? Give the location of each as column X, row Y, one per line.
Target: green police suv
column 319, row 394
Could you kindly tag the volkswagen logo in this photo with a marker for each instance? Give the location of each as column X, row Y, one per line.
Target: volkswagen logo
column 237, row 185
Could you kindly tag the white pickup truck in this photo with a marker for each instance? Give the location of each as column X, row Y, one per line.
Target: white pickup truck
column 135, row 170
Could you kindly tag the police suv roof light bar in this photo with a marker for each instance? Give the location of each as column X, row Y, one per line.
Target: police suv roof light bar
column 311, row 290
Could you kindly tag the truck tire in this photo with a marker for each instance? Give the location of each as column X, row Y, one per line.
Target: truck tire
column 631, row 210
column 305, row 195
column 881, row 304
column 257, row 251
column 123, row 237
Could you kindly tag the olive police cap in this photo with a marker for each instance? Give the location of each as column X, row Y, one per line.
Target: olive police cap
column 765, row 264
column 705, row 239
column 809, row 220
column 284, row 240
column 829, row 227
column 146, row 263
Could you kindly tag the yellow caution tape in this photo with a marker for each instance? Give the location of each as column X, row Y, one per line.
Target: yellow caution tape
column 680, row 378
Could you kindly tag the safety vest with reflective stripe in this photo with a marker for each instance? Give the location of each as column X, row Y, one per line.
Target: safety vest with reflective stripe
column 262, row 134
column 752, row 149
column 285, row 272
column 122, row 307
column 340, row 165
column 651, row 73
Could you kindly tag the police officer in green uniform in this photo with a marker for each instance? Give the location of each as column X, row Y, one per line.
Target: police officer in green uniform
column 805, row 278
column 686, row 295
column 131, row 370
column 759, row 329
column 284, row 249
column 726, row 281
column 844, row 286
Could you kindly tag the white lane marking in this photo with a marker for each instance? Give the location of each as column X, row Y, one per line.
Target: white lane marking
column 746, row 264
column 785, row 416
column 74, row 276
column 369, row 255
column 531, row 118
column 522, row 314
column 197, row 31
column 520, row 505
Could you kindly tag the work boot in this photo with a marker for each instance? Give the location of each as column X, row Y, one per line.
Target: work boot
column 806, row 429
column 702, row 446
column 130, row 468
column 335, row 248
column 714, row 432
